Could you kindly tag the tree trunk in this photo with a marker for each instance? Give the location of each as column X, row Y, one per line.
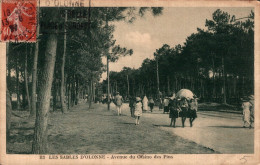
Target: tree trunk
column 168, row 85
column 134, row 91
column 34, row 70
column 108, row 85
column 94, row 92
column 26, row 82
column 69, row 93
column 214, row 81
column 72, row 93
column 40, row 131
column 224, row 81
column 54, row 95
column 176, row 85
column 8, row 113
column 157, row 74
column 77, row 90
column 62, row 95
column 90, row 94
column 128, row 88
column 17, row 84
column 235, row 87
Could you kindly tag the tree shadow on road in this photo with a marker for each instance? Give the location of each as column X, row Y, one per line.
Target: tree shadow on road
column 155, row 125
column 129, row 123
column 227, row 126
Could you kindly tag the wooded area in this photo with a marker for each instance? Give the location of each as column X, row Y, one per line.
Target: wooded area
column 216, row 63
column 64, row 64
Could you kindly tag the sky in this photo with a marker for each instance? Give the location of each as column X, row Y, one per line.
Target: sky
column 172, row 27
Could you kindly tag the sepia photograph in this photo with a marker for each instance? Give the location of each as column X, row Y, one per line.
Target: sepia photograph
column 86, row 81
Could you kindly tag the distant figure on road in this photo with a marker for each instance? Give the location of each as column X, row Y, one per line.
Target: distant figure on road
column 151, row 104
column 160, row 104
column 246, row 105
column 118, row 102
column 132, row 105
column 138, row 110
column 174, row 111
column 252, row 109
column 165, row 104
column 145, row 103
column 193, row 108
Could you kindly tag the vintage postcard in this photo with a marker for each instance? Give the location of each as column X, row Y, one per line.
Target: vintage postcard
column 129, row 82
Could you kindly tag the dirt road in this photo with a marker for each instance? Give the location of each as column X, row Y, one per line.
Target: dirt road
column 98, row 131
column 220, row 131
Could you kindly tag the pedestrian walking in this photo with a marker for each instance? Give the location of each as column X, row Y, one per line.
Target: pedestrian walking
column 145, row 103
column 132, row 105
column 118, row 101
column 160, row 104
column 151, row 104
column 252, row 110
column 165, row 105
column 184, row 109
column 138, row 110
column 193, row 108
column 246, row 105
column 174, row 111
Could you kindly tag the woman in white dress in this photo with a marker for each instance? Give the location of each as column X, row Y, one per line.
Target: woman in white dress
column 145, row 103
column 246, row 105
column 138, row 110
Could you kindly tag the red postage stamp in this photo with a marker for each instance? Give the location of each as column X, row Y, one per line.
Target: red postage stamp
column 18, row 19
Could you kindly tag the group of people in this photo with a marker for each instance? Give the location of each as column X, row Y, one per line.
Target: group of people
column 184, row 108
column 179, row 107
column 248, row 111
column 135, row 104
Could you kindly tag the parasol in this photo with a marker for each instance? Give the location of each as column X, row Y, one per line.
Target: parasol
column 184, row 93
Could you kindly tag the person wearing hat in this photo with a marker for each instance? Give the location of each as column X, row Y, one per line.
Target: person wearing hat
column 246, row 112
column 138, row 110
column 118, row 102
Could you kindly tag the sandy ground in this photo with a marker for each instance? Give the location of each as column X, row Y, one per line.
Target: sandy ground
column 89, row 131
column 220, row 131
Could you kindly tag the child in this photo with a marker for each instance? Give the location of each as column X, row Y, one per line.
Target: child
column 138, row 110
